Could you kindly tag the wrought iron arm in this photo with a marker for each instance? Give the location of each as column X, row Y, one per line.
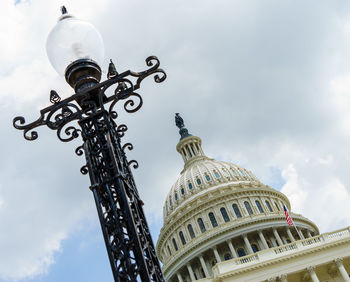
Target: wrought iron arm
column 91, row 115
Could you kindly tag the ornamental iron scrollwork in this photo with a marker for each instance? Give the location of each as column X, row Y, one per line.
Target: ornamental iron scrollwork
column 91, row 114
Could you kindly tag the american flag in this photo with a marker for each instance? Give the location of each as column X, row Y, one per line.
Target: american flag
column 288, row 218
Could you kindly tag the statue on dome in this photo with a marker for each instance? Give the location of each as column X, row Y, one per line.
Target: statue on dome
column 181, row 125
column 179, row 121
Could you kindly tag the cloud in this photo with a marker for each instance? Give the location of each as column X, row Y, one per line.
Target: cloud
column 264, row 86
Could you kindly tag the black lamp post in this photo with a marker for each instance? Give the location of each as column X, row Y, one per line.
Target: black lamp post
column 75, row 48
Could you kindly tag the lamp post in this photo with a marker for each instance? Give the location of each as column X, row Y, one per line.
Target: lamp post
column 75, row 49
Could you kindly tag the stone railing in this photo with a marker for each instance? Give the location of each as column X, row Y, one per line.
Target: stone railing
column 269, row 254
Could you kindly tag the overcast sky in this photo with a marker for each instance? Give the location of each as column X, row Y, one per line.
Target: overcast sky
column 265, row 84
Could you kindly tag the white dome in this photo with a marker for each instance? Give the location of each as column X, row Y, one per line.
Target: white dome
column 201, row 175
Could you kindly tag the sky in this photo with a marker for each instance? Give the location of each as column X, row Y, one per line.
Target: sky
column 265, row 84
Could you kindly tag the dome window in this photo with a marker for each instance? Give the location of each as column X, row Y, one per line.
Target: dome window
column 217, row 175
column 190, row 185
column 175, row 245
column 224, row 214
column 190, row 230
column 201, row 225
column 207, row 177
column 212, row 219
column 170, row 202
column 277, row 206
column 182, row 190
column 227, row 256
column 248, row 207
column 255, row 248
column 234, row 172
column 182, row 237
column 268, row 205
column 241, row 252
column 242, row 173
column 199, row 182
column 176, row 197
column 236, row 210
column 259, row 206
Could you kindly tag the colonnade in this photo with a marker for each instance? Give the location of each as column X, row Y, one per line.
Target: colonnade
column 200, row 267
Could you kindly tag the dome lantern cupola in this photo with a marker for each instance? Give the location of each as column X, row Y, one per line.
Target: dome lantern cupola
column 189, row 146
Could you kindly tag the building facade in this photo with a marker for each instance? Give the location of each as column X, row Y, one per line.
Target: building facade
column 222, row 224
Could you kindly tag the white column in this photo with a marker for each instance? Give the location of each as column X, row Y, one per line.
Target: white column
column 308, row 233
column 290, row 235
column 339, row 263
column 278, row 238
column 247, row 244
column 262, row 238
column 179, row 277
column 232, row 249
column 216, row 254
column 301, row 234
column 273, row 241
column 204, row 266
column 311, row 271
column 190, row 271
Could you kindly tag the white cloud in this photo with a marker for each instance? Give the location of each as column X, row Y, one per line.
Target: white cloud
column 264, row 85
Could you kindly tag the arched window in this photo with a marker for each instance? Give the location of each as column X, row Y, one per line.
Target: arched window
column 255, row 248
column 212, row 219
column 277, row 206
column 269, row 244
column 227, row 256
column 259, row 206
column 190, row 230
column 207, row 177
column 199, row 182
column 190, row 185
column 182, row 190
column 176, row 196
column 182, row 237
column 170, row 202
column 242, row 173
column 249, row 209
column 236, row 210
column 201, row 225
column 240, row 252
column 268, row 206
column 217, row 175
column 234, row 172
column 224, row 214
column 175, row 245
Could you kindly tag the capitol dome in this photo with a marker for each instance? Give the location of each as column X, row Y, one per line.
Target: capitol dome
column 218, row 211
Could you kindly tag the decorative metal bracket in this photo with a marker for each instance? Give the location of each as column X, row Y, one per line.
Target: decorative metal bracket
column 63, row 112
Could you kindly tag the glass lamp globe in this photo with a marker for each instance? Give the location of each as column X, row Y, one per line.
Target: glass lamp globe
column 71, row 40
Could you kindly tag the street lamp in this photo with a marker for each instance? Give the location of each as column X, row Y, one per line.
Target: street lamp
column 75, row 49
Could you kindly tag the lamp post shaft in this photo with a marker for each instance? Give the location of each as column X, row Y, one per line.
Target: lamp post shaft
column 129, row 244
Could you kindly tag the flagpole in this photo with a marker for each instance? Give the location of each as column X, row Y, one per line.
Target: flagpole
column 296, row 229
